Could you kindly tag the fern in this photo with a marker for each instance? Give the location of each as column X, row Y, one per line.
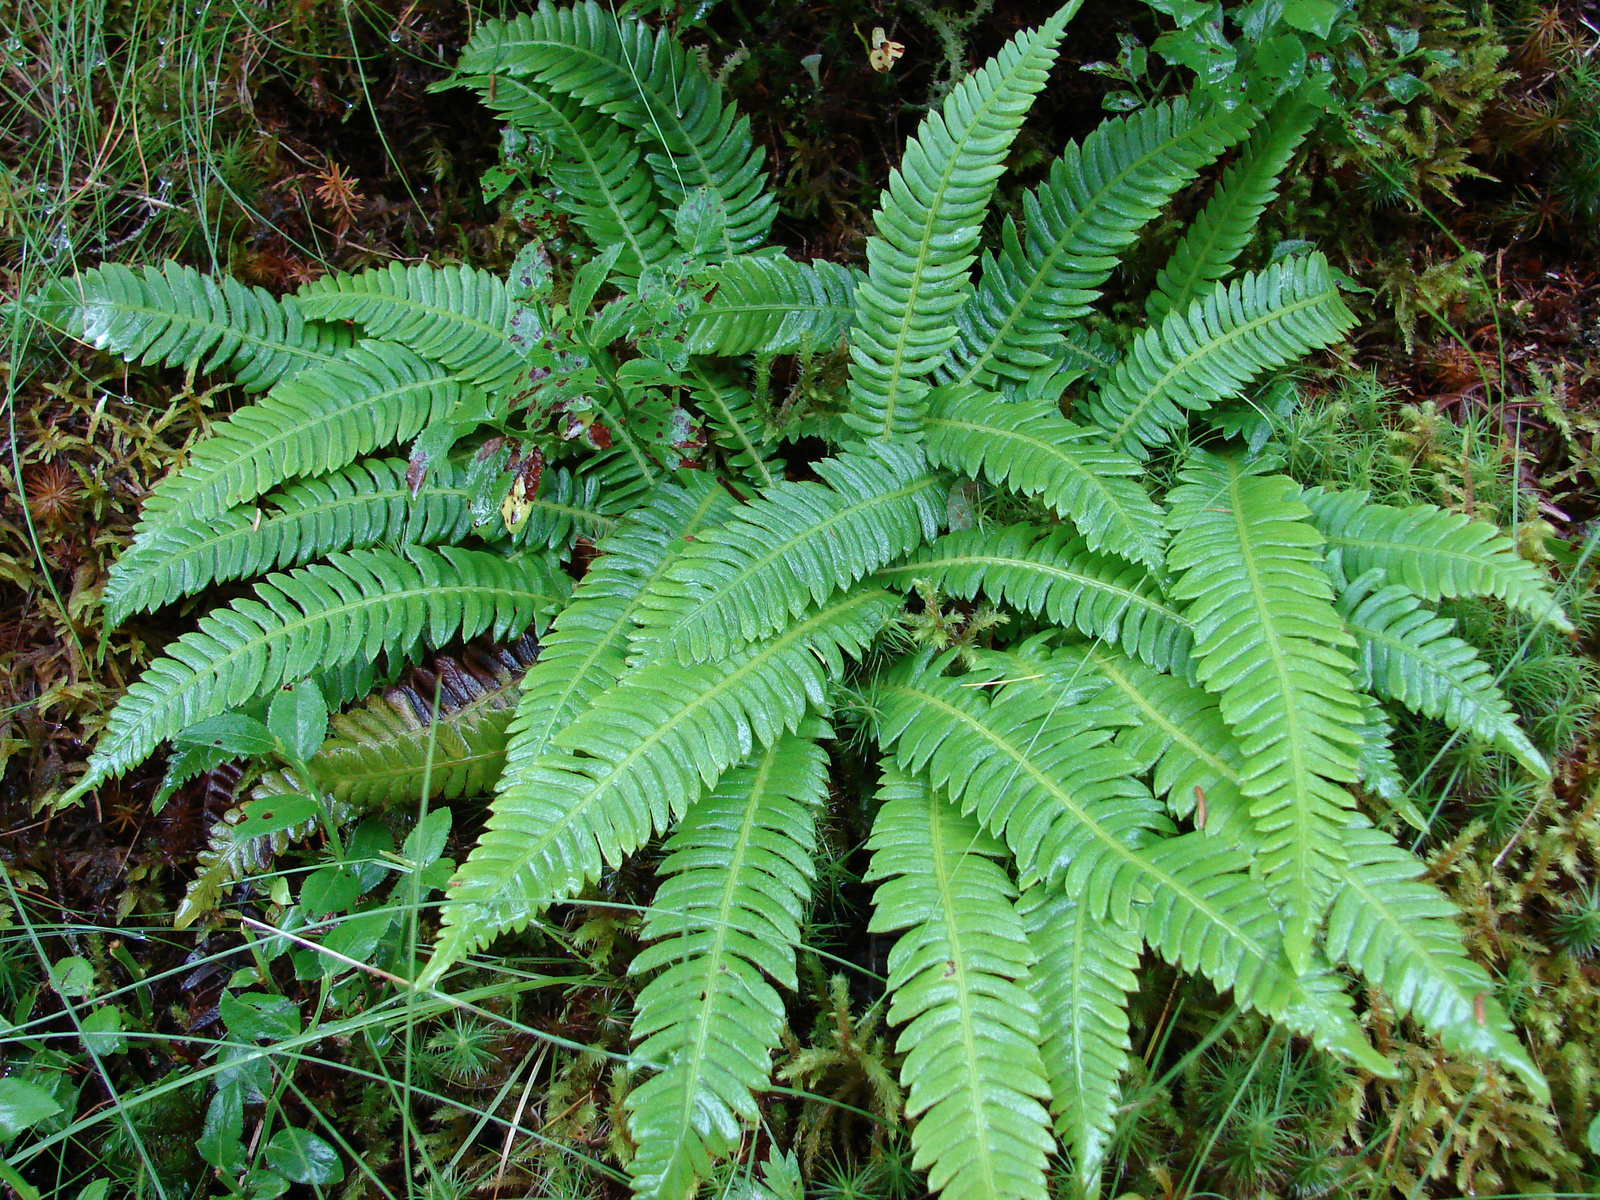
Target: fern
column 1082, row 989
column 651, row 744
column 1431, row 552
column 357, row 506
column 318, row 422
column 1269, row 642
column 437, row 733
column 1159, row 750
column 1226, row 224
column 1406, row 653
column 928, row 232
column 787, row 551
column 1032, row 450
column 1202, row 354
column 1091, row 208
column 362, row 603
column 1401, row 933
column 958, row 979
column 1054, row 575
column 457, row 317
column 736, row 878
column 647, row 82
column 174, row 316
column 773, row 306
column 596, row 168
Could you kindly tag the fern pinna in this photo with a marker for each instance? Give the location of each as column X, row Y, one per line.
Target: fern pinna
column 1168, row 751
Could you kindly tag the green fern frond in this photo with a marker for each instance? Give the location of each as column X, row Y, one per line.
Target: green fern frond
column 1030, row 448
column 597, row 169
column 735, row 425
column 1036, row 766
column 1269, row 642
column 1210, row 350
column 773, row 306
column 1078, row 222
column 323, row 419
column 1401, row 933
column 958, row 983
column 360, row 505
column 585, row 651
column 1210, row 914
column 1407, row 653
column 358, row 604
column 778, row 556
column 458, row 317
column 1179, row 731
column 1224, row 227
column 648, row 82
column 651, row 745
column 1055, row 575
column 1081, row 987
column 177, row 317
column 735, row 882
column 928, row 224
column 1431, row 552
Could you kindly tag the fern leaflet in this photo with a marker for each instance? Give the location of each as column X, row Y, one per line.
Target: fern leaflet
column 1210, row 350
column 1269, row 642
column 773, row 306
column 1086, row 973
column 356, row 605
column 1031, row 449
column 928, row 224
column 958, row 982
column 177, row 317
column 735, row 882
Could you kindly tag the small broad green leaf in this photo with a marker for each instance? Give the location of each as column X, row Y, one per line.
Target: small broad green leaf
column 298, row 718
column 302, row 1157
column 700, row 222
column 233, row 733
column 426, row 842
column 258, row 1017
column 1313, row 16
column 23, row 1105
column 264, row 1185
column 330, row 889
column 102, row 1031
column 273, row 814
column 220, row 1141
column 365, row 855
column 72, row 976
column 96, row 1190
column 1594, row 1136
column 356, row 938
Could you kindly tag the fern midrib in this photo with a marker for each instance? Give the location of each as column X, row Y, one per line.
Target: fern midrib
column 971, row 1095
column 378, row 305
column 1062, row 246
column 753, row 566
column 215, row 667
column 1158, row 389
column 1128, row 596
